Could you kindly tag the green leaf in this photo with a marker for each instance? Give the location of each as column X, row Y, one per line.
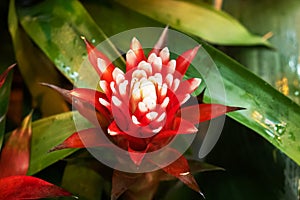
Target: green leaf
column 35, row 67
column 47, row 133
column 198, row 19
column 269, row 113
column 90, row 185
column 4, row 99
column 56, row 26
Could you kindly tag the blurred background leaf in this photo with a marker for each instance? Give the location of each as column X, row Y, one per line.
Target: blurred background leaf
column 198, row 19
column 35, row 68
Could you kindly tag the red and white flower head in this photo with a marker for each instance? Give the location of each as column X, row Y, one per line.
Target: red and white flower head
column 141, row 110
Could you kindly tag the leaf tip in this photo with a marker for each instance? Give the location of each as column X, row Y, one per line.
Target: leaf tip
column 56, row 148
column 202, row 195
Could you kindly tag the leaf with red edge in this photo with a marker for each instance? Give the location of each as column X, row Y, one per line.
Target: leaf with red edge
column 16, row 152
column 86, row 101
column 105, row 68
column 180, row 169
column 28, row 187
column 207, row 112
column 5, row 74
column 82, row 139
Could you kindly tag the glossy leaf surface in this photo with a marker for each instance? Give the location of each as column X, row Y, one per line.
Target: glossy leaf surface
column 35, row 67
column 192, row 18
column 48, row 133
column 28, row 187
column 90, row 185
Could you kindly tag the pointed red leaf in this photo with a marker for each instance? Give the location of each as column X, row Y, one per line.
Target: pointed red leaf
column 180, row 169
column 28, row 187
column 207, row 112
column 161, row 43
column 5, row 74
column 86, row 101
column 137, row 156
column 106, row 68
column 185, row 59
column 16, row 152
column 83, row 139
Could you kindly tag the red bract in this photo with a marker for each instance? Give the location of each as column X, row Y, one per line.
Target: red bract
column 141, row 110
column 4, row 75
column 14, row 163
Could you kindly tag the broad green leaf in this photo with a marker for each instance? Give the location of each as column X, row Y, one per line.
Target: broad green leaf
column 269, row 113
column 280, row 68
column 56, row 26
column 198, row 19
column 35, row 68
column 90, row 185
column 47, row 133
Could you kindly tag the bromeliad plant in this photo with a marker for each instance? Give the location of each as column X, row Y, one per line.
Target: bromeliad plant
column 141, row 111
column 14, row 163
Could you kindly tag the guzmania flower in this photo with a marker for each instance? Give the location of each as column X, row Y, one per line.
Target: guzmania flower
column 141, row 110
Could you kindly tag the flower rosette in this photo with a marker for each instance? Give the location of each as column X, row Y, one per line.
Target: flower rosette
column 145, row 117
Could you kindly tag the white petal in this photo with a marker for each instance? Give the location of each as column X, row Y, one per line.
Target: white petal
column 158, row 78
column 171, row 66
column 143, row 65
column 142, row 107
column 116, row 101
column 165, row 102
column 163, row 91
column 130, row 57
column 135, row 120
column 151, row 58
column 169, row 80
column 135, row 44
column 101, row 64
column 157, row 130
column 175, row 84
column 164, row 54
column 133, row 81
column 112, row 87
column 150, row 103
column 157, row 64
column 151, row 115
column 148, row 89
column 195, row 83
column 161, row 117
column 136, row 92
column 104, row 102
column 112, row 133
column 120, row 78
column 123, row 88
column 118, row 75
column 104, row 86
column 139, row 74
